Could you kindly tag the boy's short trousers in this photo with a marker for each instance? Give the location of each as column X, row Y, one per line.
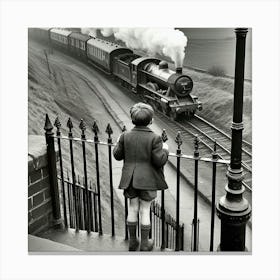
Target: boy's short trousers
column 130, row 192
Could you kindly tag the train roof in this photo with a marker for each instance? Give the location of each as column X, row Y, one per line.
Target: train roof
column 80, row 36
column 105, row 45
column 43, row 28
column 139, row 60
column 61, row 31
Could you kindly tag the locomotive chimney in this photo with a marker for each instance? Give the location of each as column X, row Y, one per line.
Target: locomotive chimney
column 179, row 70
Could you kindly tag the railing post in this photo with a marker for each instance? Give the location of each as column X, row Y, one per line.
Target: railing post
column 125, row 205
column 163, row 241
column 57, row 124
column 233, row 209
column 88, row 205
column 182, row 236
column 195, row 230
column 213, row 200
column 95, row 130
column 109, row 131
column 179, row 142
column 74, row 187
column 52, row 171
column 70, row 201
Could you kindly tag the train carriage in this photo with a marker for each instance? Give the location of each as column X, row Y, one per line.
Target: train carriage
column 41, row 34
column 101, row 54
column 166, row 90
column 78, row 44
column 60, row 38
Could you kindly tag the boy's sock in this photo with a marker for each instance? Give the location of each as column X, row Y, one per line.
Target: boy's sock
column 133, row 241
column 146, row 243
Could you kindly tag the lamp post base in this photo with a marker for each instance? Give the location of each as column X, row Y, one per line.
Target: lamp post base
column 233, row 226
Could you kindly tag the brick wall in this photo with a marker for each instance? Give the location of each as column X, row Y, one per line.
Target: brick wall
column 39, row 195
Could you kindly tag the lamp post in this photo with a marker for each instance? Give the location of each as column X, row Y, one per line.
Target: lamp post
column 233, row 209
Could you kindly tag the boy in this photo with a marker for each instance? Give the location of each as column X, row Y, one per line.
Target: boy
column 144, row 155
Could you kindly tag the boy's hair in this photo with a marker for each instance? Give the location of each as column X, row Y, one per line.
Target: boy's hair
column 141, row 114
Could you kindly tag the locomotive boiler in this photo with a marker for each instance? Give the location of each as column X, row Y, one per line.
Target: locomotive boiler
column 168, row 90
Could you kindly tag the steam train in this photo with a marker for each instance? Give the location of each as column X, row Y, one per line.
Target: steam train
column 164, row 89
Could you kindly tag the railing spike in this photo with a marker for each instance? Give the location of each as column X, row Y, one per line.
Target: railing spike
column 82, row 126
column 57, row 123
column 164, row 136
column 196, row 142
column 109, row 130
column 95, row 128
column 69, row 124
column 215, row 146
column 178, row 139
column 48, row 125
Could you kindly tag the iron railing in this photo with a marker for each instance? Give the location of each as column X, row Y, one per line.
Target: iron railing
column 82, row 202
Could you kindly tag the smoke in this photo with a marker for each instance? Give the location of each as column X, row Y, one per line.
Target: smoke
column 163, row 41
column 89, row 31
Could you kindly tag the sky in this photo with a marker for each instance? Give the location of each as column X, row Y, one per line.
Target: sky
column 211, row 33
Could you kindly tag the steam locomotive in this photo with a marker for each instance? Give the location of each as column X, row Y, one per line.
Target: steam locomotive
column 164, row 89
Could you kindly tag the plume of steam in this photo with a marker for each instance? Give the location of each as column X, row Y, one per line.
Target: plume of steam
column 163, row 41
column 89, row 31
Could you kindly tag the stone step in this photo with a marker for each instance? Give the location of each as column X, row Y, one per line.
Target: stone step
column 38, row 244
column 84, row 241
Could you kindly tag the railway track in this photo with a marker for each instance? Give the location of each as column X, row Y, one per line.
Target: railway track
column 208, row 134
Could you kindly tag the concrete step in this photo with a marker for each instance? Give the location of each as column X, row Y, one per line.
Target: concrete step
column 83, row 242
column 38, row 244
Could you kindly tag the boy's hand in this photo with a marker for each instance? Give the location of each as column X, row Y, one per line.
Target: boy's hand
column 165, row 146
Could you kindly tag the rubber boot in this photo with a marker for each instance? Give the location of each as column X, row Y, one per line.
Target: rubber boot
column 133, row 241
column 146, row 243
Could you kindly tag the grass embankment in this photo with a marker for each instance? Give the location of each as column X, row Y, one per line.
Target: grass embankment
column 216, row 94
column 63, row 94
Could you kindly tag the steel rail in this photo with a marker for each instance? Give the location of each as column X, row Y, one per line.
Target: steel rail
column 222, row 132
column 184, row 129
column 248, row 168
